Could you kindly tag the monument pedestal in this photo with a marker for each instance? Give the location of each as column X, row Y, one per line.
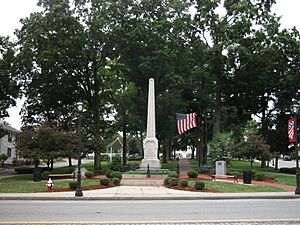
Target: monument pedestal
column 150, row 154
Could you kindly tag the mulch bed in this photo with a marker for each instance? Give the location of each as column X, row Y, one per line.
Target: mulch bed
column 188, row 188
column 85, row 188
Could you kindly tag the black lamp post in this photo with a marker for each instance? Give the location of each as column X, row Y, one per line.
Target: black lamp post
column 295, row 111
column 78, row 192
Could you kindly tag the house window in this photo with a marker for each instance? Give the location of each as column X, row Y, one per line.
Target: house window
column 9, row 137
column 8, row 152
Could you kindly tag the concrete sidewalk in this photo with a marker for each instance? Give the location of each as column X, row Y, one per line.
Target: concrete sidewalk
column 144, row 193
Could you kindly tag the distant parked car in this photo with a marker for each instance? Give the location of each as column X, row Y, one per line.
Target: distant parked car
column 287, row 158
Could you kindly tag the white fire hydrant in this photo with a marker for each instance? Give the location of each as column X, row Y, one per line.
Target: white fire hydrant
column 49, row 184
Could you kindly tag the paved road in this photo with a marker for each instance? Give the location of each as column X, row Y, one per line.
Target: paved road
column 157, row 212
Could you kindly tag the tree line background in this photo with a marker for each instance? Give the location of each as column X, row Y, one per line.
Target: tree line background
column 226, row 65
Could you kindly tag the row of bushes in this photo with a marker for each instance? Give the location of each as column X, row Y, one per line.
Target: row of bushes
column 171, row 182
column 103, row 181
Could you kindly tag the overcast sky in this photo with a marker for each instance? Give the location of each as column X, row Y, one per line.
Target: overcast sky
column 11, row 11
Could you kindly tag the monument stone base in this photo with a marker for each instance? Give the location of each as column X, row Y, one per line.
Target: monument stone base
column 154, row 164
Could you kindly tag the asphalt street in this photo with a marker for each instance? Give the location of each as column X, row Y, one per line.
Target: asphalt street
column 157, row 212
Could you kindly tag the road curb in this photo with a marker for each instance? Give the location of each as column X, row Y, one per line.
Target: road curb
column 45, row 198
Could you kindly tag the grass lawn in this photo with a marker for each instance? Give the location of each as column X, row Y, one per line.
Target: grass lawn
column 237, row 165
column 282, row 178
column 170, row 165
column 25, row 184
column 237, row 188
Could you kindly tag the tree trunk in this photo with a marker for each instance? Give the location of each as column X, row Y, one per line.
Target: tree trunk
column 48, row 164
column 165, row 150
column 217, row 115
column 169, row 150
column 204, row 137
column 193, row 152
column 124, row 158
column 141, row 139
column 97, row 136
column 276, row 163
column 70, row 161
column 52, row 162
column 158, row 149
column 263, row 163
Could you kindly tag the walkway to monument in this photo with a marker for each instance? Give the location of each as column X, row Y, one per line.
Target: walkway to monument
column 184, row 166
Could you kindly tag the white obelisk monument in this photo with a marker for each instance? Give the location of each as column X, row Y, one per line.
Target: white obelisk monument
column 150, row 143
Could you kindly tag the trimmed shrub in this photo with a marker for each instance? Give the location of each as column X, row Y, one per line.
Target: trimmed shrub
column 205, row 169
column 183, row 183
column 45, row 175
column 234, row 173
column 24, row 170
column 173, row 174
column 116, row 174
column 192, row 174
column 98, row 172
column 89, row 174
column 73, row 184
column 166, row 181
column 199, row 185
column 260, row 176
column 108, row 173
column 3, row 158
column 104, row 181
column 288, row 170
column 173, row 181
column 116, row 181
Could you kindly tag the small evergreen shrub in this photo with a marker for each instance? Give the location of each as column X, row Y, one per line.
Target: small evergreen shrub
column 173, row 182
column 116, row 174
column 205, row 169
column 234, row 173
column 192, row 174
column 104, row 181
column 199, row 185
column 183, row 183
column 89, row 174
column 45, row 175
column 108, row 173
column 173, row 174
column 73, row 184
column 99, row 172
column 166, row 181
column 260, row 176
column 116, row 181
column 24, row 170
column 3, row 158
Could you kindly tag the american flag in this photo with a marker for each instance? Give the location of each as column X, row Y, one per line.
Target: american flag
column 291, row 130
column 185, row 122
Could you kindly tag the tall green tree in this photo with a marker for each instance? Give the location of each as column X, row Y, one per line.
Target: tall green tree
column 229, row 36
column 9, row 88
column 64, row 57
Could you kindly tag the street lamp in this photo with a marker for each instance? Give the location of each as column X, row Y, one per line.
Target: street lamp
column 295, row 111
column 78, row 188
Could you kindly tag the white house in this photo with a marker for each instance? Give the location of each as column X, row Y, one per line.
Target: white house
column 7, row 142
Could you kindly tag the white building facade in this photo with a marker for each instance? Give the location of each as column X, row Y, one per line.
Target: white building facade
column 7, row 143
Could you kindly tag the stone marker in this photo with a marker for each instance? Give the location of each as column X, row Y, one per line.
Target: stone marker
column 150, row 143
column 220, row 168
